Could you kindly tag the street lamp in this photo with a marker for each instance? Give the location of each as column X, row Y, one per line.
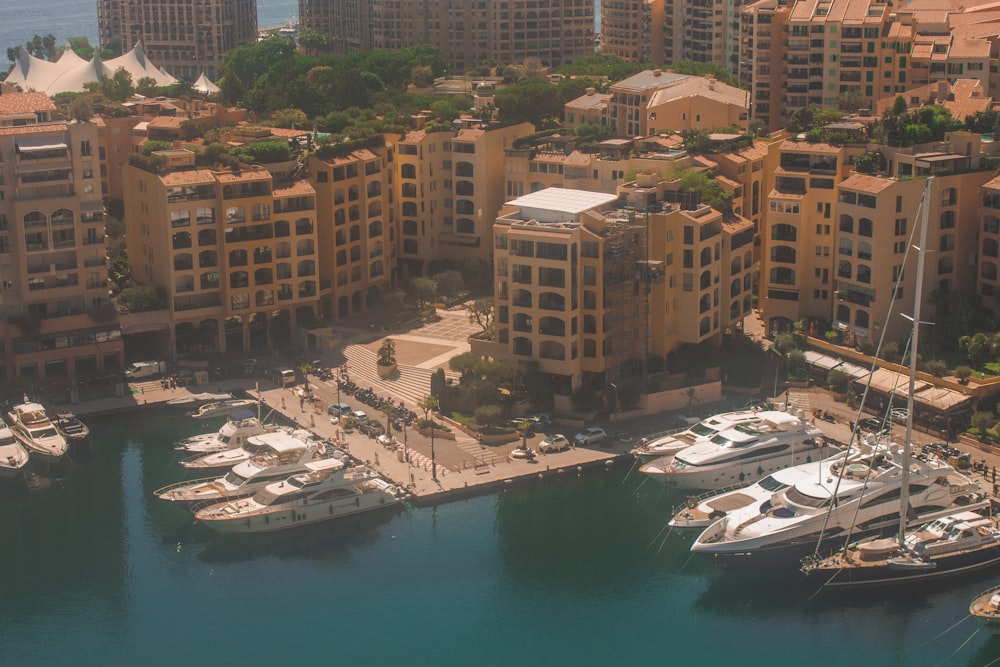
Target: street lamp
column 434, row 470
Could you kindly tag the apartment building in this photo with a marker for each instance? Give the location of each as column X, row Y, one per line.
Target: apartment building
column 57, row 325
column 505, row 31
column 662, row 32
column 587, row 288
column 799, row 53
column 872, row 225
column 655, row 101
column 988, row 251
column 235, row 251
column 449, row 186
column 357, row 227
column 186, row 39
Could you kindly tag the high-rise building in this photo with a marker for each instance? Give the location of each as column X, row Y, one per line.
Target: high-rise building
column 505, row 31
column 185, row 38
column 57, row 324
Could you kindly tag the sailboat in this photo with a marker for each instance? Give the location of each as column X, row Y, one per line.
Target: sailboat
column 825, row 504
column 955, row 543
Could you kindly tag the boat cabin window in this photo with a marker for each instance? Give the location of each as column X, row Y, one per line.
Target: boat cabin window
column 44, row 433
column 234, row 479
column 769, row 483
column 703, row 429
column 797, row 497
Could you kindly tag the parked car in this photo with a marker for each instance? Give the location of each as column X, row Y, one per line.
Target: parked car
column 899, row 415
column 541, row 419
column 554, row 443
column 372, row 428
column 873, row 424
column 338, row 409
column 592, row 435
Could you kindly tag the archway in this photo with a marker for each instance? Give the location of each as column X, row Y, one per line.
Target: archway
column 258, row 331
column 234, row 334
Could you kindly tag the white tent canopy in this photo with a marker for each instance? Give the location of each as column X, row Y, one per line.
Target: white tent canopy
column 205, row 85
column 70, row 73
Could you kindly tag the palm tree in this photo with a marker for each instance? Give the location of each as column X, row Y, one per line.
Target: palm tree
column 306, row 369
column 427, row 404
column 390, row 412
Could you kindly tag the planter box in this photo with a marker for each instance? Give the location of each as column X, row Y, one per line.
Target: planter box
column 438, row 433
column 385, row 371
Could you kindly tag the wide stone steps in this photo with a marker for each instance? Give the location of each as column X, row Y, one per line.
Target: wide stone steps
column 408, row 383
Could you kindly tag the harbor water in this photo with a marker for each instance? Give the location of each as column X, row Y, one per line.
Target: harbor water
column 97, row 571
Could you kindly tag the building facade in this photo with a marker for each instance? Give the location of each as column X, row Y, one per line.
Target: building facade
column 57, row 325
column 184, row 38
column 236, row 253
column 505, row 31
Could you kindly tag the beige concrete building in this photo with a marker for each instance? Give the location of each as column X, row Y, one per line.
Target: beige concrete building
column 235, row 251
column 871, row 223
column 505, row 31
column 357, row 227
column 588, row 289
column 449, row 186
column 57, row 325
column 857, row 52
column 184, row 38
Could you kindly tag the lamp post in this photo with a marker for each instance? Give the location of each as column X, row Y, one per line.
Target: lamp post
column 434, row 470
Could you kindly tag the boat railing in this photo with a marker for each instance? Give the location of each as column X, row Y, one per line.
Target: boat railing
column 693, row 501
column 179, row 485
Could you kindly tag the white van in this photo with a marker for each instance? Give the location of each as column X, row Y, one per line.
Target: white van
column 287, row 376
column 145, row 369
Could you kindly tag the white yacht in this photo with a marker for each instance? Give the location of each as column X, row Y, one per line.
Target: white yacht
column 672, row 442
column 32, row 426
column 219, row 408
column 325, row 492
column 742, row 453
column 13, row 455
column 986, row 608
column 821, row 507
column 240, row 426
column 265, row 446
column 250, row 476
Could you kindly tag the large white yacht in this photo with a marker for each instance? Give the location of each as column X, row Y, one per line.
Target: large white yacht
column 13, row 455
column 325, row 492
column 824, row 503
column 218, row 408
column 32, row 426
column 240, row 426
column 250, row 476
column 672, row 442
column 279, row 446
column 742, row 453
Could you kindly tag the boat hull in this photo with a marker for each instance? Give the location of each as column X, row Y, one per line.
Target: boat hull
column 883, row 575
column 981, row 609
column 283, row 519
column 715, row 477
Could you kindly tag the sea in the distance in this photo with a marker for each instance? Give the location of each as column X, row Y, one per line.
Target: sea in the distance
column 94, row 570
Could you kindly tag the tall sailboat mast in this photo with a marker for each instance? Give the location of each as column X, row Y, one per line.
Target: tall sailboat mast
column 921, row 249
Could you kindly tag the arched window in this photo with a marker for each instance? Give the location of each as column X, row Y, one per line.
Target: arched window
column 341, row 257
column 846, row 247
column 464, row 169
column 864, row 274
column 864, row 250
column 375, row 229
column 409, row 247
column 183, row 262
column 355, row 254
column 782, row 275
column 239, row 279
column 734, row 287
column 704, row 303
column 736, row 265
column 947, row 242
column 948, row 220
column 706, row 257
column 409, row 190
column 465, row 226
column 408, row 171
column 846, row 224
column 305, row 247
column 339, row 217
column 377, row 269
column 181, row 240
column 184, row 283
column 208, row 258
column 282, row 228
column 374, row 188
column 465, row 207
column 355, row 233
column 210, row 280
column 865, row 227
column 263, row 276
column 783, row 232
column 303, row 226
column 262, row 255
column 409, row 209
column 843, row 314
column 782, row 253
column 375, row 209
column 306, row 267
column 989, row 271
column 990, row 247
column 340, row 238
column 238, row 257
column 207, row 237
column 844, row 269
column 945, row 265
column 465, row 189
column 861, row 318
column 409, row 228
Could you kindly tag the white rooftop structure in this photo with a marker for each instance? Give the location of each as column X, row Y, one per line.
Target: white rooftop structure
column 556, row 204
column 205, row 85
column 70, row 73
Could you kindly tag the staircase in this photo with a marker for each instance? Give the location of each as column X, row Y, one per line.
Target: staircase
column 408, row 383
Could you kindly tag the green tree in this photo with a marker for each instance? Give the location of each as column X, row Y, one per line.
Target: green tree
column 424, row 290
column 481, row 313
column 449, row 283
column 488, row 415
column 975, row 347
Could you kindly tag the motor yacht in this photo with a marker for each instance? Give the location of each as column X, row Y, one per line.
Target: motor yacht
column 240, row 426
column 325, row 492
column 71, row 428
column 820, row 508
column 250, row 476
column 673, row 441
column 203, row 397
column 742, row 453
column 13, row 455
column 953, row 544
column 218, row 408
column 986, row 608
column 32, row 426
column 278, row 444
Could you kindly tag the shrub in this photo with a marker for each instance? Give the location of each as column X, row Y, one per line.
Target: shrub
column 963, row 373
column 488, row 415
column 838, row 381
column 937, row 368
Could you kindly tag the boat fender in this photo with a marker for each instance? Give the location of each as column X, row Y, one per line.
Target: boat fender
column 760, row 471
column 692, row 502
column 742, row 476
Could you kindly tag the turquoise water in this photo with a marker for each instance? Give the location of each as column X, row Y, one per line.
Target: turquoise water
column 97, row 571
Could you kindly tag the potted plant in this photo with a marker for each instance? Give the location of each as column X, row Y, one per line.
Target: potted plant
column 386, row 358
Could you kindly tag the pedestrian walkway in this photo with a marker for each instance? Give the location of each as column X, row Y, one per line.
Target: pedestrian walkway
column 408, row 383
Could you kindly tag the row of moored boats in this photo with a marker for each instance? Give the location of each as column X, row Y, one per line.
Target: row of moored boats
column 270, row 478
column 30, row 434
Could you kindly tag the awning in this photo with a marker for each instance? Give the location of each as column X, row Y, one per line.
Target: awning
column 29, row 144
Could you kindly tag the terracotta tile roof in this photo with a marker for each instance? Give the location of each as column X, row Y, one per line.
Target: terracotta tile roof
column 244, row 175
column 805, row 147
column 296, row 189
column 968, row 97
column 33, row 129
column 22, row 103
column 866, row 183
column 195, row 176
column 993, row 184
column 286, row 132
